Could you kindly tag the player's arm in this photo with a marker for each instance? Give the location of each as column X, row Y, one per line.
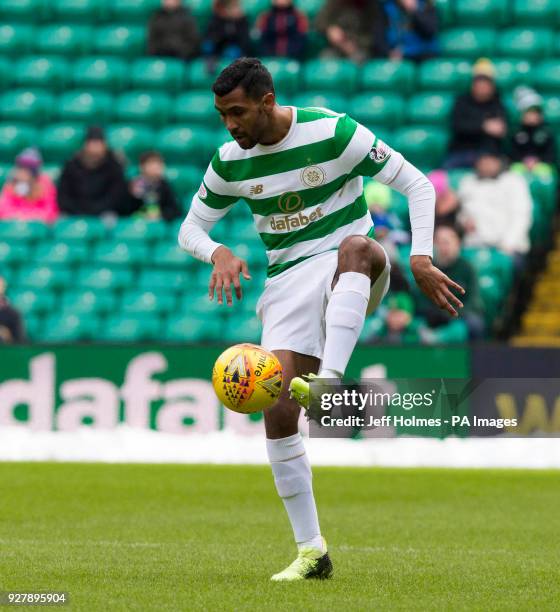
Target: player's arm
column 367, row 155
column 208, row 206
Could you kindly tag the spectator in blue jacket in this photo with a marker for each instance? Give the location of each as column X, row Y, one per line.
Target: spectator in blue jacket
column 411, row 29
column 283, row 30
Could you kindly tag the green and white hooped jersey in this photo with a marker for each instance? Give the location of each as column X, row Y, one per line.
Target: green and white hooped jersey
column 305, row 192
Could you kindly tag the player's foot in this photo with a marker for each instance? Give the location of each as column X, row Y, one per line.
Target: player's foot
column 310, row 563
column 299, row 389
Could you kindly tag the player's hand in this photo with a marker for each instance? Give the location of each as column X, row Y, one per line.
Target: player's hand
column 435, row 284
column 227, row 268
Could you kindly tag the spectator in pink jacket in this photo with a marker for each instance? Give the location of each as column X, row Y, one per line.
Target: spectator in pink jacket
column 29, row 195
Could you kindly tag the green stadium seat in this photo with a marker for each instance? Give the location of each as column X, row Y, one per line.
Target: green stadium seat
column 199, row 75
column 34, row 327
column 143, row 107
column 552, row 110
column 546, row 76
column 196, row 107
column 429, row 108
column 313, row 7
column 79, row 229
column 64, row 40
column 61, row 253
column 147, row 302
column 512, row 72
column 65, row 327
column 14, row 253
column 44, row 277
column 119, row 328
column 467, row 43
column 165, row 74
column 120, row 40
column 331, row 101
column 445, row 75
column 23, row 11
column 23, row 231
column 526, row 43
column 103, row 278
column 133, row 11
column 5, row 170
column 60, row 141
column 120, row 254
column 16, row 39
column 6, row 73
column 79, row 11
column 130, row 139
column 198, row 304
column 186, row 328
column 29, row 301
column 180, row 144
column 331, row 75
column 170, row 255
column 49, row 73
column 138, row 230
column 90, row 107
column 423, row 147
column 89, row 302
column 104, row 73
column 527, row 13
column 445, row 12
column 14, row 138
column 163, row 280
column 377, row 109
column 26, row 106
column 481, row 12
column 184, row 179
column 253, row 8
column 286, row 74
column 387, row 75
column 242, row 329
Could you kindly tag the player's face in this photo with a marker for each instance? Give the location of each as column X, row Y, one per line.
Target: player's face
column 247, row 120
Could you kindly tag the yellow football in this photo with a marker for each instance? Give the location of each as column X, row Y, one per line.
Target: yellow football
column 247, row 378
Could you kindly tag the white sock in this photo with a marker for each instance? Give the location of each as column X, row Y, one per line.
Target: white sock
column 292, row 476
column 345, row 316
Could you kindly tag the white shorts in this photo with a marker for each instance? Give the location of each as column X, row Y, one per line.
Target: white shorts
column 293, row 304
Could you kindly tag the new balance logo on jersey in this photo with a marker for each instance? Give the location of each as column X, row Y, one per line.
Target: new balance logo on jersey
column 256, row 189
column 290, row 222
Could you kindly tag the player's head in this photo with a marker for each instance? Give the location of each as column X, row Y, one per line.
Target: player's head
column 244, row 97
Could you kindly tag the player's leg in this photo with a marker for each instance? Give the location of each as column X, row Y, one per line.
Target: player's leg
column 292, row 475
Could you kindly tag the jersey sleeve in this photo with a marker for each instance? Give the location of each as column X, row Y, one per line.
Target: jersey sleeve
column 364, row 153
column 215, row 192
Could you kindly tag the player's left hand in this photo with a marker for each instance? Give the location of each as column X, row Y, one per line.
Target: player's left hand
column 435, row 284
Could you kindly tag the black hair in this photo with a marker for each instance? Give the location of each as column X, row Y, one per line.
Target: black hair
column 246, row 72
column 147, row 155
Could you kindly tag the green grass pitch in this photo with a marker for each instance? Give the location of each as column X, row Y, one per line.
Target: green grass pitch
column 168, row 537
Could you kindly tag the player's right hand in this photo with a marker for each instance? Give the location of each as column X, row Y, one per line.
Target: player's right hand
column 227, row 268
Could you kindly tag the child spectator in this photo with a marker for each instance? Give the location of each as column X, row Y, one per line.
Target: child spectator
column 227, row 35
column 533, row 145
column 28, row 194
column 151, row 195
column 173, row 32
column 283, row 30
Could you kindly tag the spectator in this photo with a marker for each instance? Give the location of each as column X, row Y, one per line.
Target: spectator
column 478, row 119
column 28, row 194
column 227, row 35
column 92, row 182
column 496, row 208
column 395, row 322
column 11, row 324
column 283, row 30
column 448, row 259
column 533, row 145
column 411, row 29
column 350, row 27
column 447, row 200
column 151, row 196
column 173, row 32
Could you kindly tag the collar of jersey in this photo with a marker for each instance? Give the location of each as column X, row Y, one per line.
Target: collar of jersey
column 282, row 143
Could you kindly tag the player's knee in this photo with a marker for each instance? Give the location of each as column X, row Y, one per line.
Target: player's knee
column 355, row 246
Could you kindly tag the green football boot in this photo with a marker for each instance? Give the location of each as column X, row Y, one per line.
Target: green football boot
column 310, row 563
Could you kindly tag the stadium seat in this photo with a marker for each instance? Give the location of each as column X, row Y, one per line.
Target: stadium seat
column 6, row 73
column 132, row 140
column 527, row 13
column 331, row 75
column 386, row 75
column 286, row 74
column 68, row 327
column 23, row 11
column 196, row 107
column 90, row 107
column 421, row 146
column 199, row 76
column 44, row 277
column 138, row 230
column 29, row 301
column 535, row 43
column 512, row 72
column 481, row 12
column 242, row 329
column 445, row 75
column 60, row 141
column 119, row 328
column 61, row 254
column 546, row 76
column 330, row 100
column 198, row 304
column 104, row 73
column 133, row 11
column 185, row 179
column 429, row 108
column 102, row 278
column 86, row 302
column 254, row 8
column 186, row 328
column 165, row 74
column 446, row 13
column 120, row 254
column 120, row 40
column 16, row 39
column 23, row 231
column 467, row 43
column 79, row 229
column 373, row 109
column 146, row 107
column 185, row 144
column 79, row 11
column 14, row 138
column 163, row 280
column 45, row 72
column 25, row 106
column 14, row 253
column 64, row 40
column 170, row 255
column 147, row 302
column 552, row 110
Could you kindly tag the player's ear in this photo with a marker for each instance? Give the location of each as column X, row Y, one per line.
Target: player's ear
column 269, row 101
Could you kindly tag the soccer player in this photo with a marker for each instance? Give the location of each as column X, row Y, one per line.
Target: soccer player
column 300, row 171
